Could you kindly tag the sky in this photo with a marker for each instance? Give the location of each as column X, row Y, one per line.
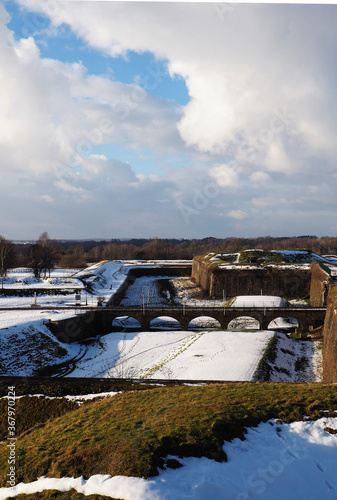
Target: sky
column 184, row 120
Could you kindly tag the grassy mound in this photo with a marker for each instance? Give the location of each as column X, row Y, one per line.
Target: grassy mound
column 132, row 433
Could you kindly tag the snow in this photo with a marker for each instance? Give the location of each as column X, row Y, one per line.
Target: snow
column 182, row 355
column 296, row 461
column 146, row 290
column 259, row 301
column 77, row 398
column 27, row 346
column 297, row 360
column 104, row 278
column 300, row 256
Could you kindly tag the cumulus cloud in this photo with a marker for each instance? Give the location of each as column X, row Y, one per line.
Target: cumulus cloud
column 261, row 83
column 238, row 68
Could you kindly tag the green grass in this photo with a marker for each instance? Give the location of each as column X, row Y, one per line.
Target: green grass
column 130, row 433
column 60, row 495
column 32, row 411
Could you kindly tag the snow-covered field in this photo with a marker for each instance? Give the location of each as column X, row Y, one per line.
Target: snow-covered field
column 259, row 301
column 203, row 355
column 276, row 461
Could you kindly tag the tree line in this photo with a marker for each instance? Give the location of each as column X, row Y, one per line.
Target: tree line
column 45, row 253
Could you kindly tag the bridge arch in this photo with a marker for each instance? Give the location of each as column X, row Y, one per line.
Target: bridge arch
column 244, row 323
column 126, row 322
column 165, row 323
column 204, row 322
column 282, row 322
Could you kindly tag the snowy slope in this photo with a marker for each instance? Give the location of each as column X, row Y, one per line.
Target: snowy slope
column 276, row 461
column 28, row 346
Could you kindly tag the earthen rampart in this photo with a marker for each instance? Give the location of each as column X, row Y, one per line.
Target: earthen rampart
column 282, row 280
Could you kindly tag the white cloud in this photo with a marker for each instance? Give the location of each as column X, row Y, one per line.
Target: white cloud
column 47, row 198
column 259, row 178
column 238, row 68
column 237, row 214
column 225, row 176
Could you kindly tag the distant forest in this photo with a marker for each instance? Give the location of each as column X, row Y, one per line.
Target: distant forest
column 78, row 253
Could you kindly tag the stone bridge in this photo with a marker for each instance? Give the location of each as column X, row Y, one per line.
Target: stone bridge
column 307, row 317
column 90, row 322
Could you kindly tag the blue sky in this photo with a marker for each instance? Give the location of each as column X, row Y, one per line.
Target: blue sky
column 167, row 119
column 65, row 46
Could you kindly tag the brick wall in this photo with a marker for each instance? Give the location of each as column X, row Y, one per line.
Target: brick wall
column 330, row 337
column 318, row 288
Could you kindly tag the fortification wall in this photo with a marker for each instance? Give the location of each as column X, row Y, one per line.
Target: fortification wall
column 330, row 337
column 251, row 280
column 320, row 277
column 202, row 272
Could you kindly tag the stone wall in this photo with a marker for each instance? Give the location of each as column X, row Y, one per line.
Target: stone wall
column 80, row 327
column 320, row 277
column 330, row 337
column 286, row 281
column 202, row 272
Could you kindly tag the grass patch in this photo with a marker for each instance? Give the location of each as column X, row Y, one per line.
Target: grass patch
column 60, row 495
column 131, row 433
column 31, row 411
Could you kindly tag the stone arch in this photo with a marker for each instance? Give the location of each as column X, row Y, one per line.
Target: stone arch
column 204, row 322
column 282, row 322
column 244, row 323
column 126, row 323
column 165, row 323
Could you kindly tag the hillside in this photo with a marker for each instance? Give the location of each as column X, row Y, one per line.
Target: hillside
column 140, row 433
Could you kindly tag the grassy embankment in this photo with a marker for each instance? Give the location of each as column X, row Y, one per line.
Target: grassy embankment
column 132, row 432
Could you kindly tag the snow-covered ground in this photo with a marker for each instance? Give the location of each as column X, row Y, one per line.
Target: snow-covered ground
column 150, row 291
column 276, row 461
column 24, row 279
column 296, row 360
column 203, row 355
column 104, row 278
column 259, row 301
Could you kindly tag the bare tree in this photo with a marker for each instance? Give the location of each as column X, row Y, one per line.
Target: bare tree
column 43, row 255
column 7, row 256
